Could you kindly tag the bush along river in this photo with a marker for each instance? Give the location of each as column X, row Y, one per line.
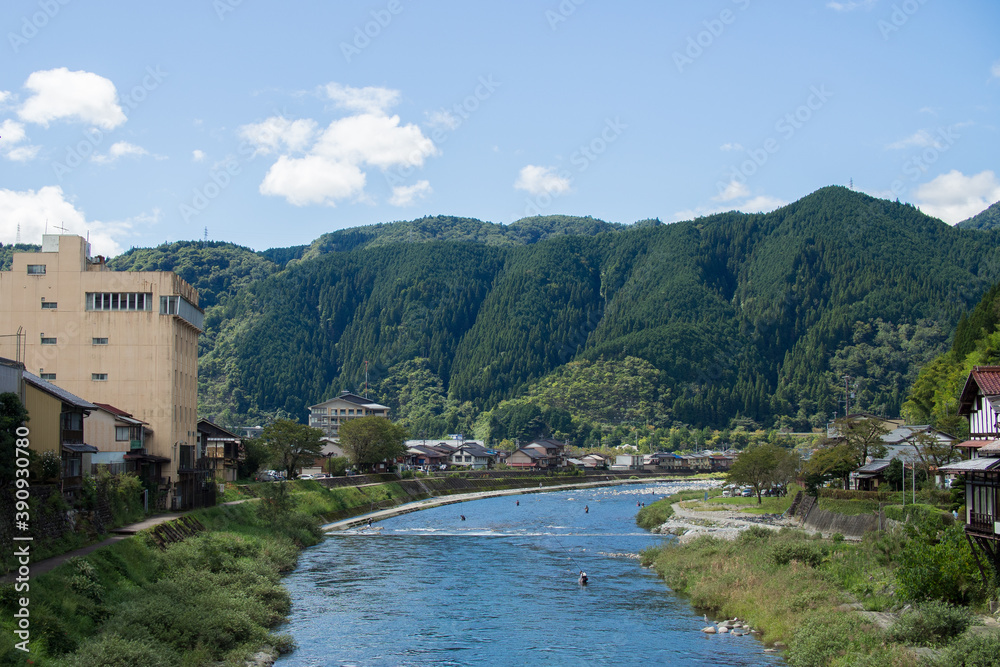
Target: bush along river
column 495, row 582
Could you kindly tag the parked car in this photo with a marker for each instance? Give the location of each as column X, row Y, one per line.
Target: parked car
column 748, row 492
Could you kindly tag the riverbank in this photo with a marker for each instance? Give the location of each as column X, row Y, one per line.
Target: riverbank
column 828, row 602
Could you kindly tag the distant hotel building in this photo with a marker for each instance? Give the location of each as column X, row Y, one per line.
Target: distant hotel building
column 127, row 339
column 329, row 415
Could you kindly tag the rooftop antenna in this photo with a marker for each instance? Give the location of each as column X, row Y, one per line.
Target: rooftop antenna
column 61, row 228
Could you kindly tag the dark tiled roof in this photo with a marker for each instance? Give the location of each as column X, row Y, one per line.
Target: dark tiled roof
column 58, row 392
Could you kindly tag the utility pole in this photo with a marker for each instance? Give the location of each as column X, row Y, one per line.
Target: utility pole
column 366, row 378
column 847, row 395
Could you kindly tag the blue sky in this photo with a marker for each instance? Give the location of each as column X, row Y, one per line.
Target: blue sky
column 272, row 123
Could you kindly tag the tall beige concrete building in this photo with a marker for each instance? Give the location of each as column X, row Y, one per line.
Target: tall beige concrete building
column 129, row 339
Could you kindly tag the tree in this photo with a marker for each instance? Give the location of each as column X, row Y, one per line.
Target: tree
column 290, row 442
column 368, row 440
column 863, row 437
column 255, row 454
column 835, row 461
column 763, row 466
column 931, row 452
column 12, row 415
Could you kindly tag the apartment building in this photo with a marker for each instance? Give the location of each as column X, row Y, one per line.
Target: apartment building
column 329, row 415
column 128, row 339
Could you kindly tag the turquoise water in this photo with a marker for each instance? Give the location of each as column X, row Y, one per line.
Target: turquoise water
column 500, row 588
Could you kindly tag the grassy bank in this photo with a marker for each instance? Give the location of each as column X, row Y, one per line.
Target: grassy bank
column 793, row 588
column 212, row 598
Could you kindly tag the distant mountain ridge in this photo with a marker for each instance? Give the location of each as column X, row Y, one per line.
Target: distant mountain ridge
column 988, row 219
column 728, row 318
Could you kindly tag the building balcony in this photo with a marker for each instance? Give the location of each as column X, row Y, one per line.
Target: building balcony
column 984, row 524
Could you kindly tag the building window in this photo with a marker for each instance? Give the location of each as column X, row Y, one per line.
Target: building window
column 133, row 301
column 49, row 305
column 36, row 269
column 122, row 433
column 319, row 411
column 48, row 376
column 100, row 341
column 48, row 341
column 350, row 411
column 99, row 377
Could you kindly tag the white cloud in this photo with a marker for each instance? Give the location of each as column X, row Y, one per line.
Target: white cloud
column 197, row 155
column 277, row 133
column 12, row 131
column 442, row 119
column 369, row 99
column 119, row 149
column 4, row 96
column 731, row 147
column 919, row 139
column 313, row 179
column 762, row 204
column 953, row 197
column 733, row 190
column 376, row 140
column 728, row 194
column 851, row 5
column 538, row 180
column 332, row 167
column 404, row 195
column 60, row 94
column 34, row 209
column 11, row 134
column 23, row 153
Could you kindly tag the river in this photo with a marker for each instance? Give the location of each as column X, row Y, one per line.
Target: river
column 500, row 588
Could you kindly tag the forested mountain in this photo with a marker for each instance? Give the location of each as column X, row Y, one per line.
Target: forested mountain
column 7, row 252
column 739, row 316
column 988, row 219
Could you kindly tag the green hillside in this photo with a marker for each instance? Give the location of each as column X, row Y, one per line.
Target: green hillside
column 988, row 219
column 740, row 316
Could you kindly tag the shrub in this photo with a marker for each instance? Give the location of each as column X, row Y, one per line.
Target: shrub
column 974, row 650
column 756, row 534
column 931, row 623
column 939, row 568
column 782, row 553
column 116, row 651
column 655, row 514
column 837, row 537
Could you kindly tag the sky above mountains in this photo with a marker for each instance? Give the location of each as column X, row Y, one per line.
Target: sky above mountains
column 270, row 124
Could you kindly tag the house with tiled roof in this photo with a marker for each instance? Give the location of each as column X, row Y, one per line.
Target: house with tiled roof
column 330, row 415
column 980, row 402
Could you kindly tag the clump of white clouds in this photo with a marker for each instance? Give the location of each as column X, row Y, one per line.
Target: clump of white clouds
column 851, row 5
column 327, row 166
column 13, row 133
column 537, row 180
column 119, row 149
column 919, row 139
column 728, row 199
column 731, row 147
column 197, row 155
column 954, row 197
column 59, row 94
column 405, row 195
column 34, row 209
